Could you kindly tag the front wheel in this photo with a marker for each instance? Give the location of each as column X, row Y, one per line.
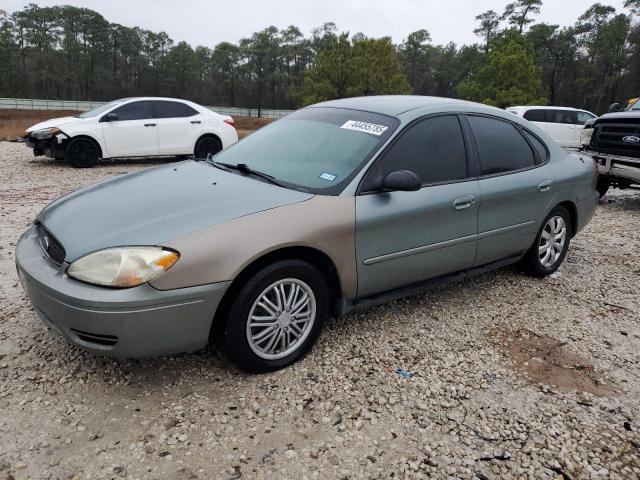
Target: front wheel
column 81, row 153
column 276, row 317
column 552, row 242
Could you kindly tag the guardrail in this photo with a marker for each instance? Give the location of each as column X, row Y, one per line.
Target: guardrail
column 81, row 105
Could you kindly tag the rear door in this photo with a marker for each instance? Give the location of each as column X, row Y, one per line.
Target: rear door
column 134, row 133
column 516, row 187
column 179, row 126
column 562, row 127
column 403, row 238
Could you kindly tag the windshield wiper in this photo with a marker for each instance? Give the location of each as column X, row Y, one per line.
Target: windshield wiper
column 246, row 169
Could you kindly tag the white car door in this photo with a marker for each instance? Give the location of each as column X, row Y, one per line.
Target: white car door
column 179, row 126
column 562, row 126
column 537, row 116
column 130, row 130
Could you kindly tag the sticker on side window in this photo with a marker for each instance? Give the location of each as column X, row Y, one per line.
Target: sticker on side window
column 328, row 176
column 365, row 127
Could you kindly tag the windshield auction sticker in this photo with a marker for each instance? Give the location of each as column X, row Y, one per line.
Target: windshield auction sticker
column 365, row 127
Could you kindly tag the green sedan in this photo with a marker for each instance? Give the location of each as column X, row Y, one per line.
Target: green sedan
column 334, row 208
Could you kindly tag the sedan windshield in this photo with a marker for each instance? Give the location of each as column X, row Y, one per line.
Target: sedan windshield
column 100, row 109
column 316, row 149
column 636, row 106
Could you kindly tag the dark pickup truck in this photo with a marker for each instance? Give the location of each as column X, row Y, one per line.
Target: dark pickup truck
column 613, row 140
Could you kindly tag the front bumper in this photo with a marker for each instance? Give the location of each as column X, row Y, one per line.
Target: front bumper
column 50, row 147
column 132, row 322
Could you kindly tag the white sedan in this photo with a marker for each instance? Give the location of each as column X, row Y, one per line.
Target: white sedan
column 133, row 127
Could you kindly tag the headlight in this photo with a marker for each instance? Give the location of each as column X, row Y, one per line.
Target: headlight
column 46, row 133
column 123, row 267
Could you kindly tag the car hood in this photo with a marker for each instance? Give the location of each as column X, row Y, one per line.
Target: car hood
column 620, row 117
column 54, row 122
column 156, row 205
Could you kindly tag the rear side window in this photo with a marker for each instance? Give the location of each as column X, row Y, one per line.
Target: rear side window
column 562, row 116
column 433, row 148
column 538, row 115
column 173, row 110
column 500, row 145
column 539, row 147
column 134, row 111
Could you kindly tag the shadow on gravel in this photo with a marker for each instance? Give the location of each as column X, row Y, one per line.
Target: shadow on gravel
column 150, row 161
column 542, row 359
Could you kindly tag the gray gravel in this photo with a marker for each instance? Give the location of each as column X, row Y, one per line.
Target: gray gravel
column 511, row 377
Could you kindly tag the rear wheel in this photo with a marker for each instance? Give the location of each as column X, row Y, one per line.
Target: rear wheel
column 276, row 317
column 207, row 146
column 81, row 152
column 548, row 251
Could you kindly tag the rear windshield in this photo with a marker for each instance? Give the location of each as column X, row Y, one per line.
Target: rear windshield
column 316, row 150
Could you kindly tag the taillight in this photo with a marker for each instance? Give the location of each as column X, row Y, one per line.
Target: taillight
column 230, row 121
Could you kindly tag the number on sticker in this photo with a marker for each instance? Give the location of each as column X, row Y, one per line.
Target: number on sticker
column 365, row 127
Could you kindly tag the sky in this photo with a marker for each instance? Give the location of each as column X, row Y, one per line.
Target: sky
column 208, row 22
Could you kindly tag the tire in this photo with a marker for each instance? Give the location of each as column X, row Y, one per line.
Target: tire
column 81, row 153
column 269, row 352
column 206, row 146
column 541, row 263
column 602, row 187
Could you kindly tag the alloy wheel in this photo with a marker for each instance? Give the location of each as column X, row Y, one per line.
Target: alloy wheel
column 552, row 240
column 281, row 319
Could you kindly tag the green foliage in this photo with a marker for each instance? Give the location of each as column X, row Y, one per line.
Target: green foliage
column 363, row 66
column 509, row 77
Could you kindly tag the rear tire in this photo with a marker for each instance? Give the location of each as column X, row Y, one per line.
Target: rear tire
column 81, row 153
column 552, row 242
column 276, row 317
column 207, row 146
column 602, row 187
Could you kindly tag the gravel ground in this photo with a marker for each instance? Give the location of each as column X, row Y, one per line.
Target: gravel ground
column 512, row 377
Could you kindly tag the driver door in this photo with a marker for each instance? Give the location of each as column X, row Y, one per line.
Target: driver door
column 133, row 133
column 404, row 238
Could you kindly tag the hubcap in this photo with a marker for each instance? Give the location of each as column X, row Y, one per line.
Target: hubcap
column 552, row 241
column 281, row 318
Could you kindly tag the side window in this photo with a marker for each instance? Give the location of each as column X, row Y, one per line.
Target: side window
column 562, row 116
column 134, row 111
column 500, row 145
column 584, row 117
column 538, row 146
column 537, row 115
column 173, row 110
column 433, row 148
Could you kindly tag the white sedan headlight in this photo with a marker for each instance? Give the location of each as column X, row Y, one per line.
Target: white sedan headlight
column 46, row 133
column 123, row 267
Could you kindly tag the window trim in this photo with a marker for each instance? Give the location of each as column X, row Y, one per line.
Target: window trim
column 471, row 169
column 520, row 129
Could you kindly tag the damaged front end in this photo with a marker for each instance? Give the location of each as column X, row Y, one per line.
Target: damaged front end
column 47, row 141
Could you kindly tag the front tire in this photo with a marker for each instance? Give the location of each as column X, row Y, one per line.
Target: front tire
column 552, row 242
column 207, row 146
column 276, row 317
column 81, row 153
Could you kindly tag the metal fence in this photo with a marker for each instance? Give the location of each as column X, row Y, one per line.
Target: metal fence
column 81, row 105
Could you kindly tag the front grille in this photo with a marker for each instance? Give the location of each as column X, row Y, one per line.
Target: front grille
column 608, row 138
column 52, row 247
column 96, row 338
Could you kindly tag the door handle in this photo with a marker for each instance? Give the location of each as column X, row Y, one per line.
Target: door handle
column 195, row 121
column 149, row 124
column 463, row 202
column 544, row 186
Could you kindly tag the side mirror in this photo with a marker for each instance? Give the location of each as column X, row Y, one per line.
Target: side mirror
column 110, row 117
column 614, row 107
column 401, row 181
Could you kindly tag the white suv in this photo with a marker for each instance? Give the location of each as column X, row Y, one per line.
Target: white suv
column 563, row 124
column 133, row 127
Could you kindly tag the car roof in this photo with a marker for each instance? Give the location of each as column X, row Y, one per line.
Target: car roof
column 128, row 99
column 394, row 104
